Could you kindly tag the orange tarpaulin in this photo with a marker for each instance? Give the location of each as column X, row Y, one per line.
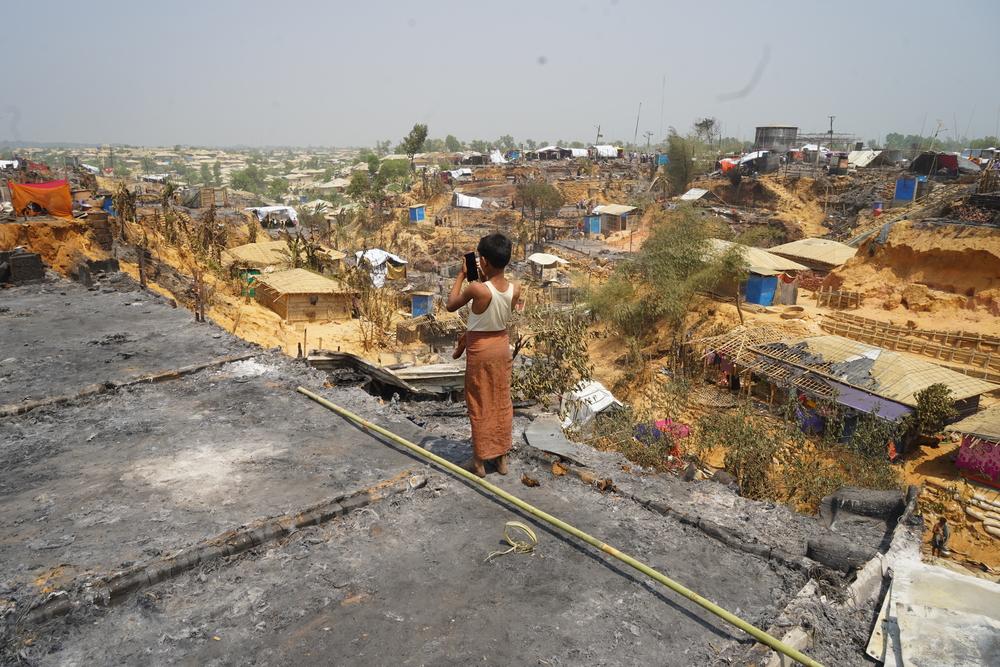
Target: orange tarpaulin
column 54, row 197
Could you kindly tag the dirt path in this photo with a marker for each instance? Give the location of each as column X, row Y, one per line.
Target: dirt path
column 792, row 207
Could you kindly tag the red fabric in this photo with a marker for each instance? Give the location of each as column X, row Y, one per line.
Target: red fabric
column 487, row 392
column 48, row 185
column 38, row 166
column 54, row 197
column 947, row 162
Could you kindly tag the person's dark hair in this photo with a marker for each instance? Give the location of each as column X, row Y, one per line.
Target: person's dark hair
column 496, row 248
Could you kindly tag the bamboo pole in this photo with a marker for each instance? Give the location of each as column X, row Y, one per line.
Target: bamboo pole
column 705, row 603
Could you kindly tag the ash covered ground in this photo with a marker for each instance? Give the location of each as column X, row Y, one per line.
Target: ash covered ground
column 110, row 481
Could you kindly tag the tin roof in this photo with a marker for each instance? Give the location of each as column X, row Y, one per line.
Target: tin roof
column 759, row 261
column 301, row 281
column 876, row 370
column 824, row 251
column 613, row 209
column 984, row 425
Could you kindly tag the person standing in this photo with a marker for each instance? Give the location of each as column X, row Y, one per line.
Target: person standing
column 488, row 366
column 939, row 538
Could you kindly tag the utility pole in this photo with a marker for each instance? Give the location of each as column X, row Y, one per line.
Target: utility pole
column 111, row 150
column 831, row 131
column 598, row 139
column 635, row 135
column 648, row 134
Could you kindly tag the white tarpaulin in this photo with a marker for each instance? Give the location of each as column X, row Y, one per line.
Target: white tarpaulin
column 545, row 259
column 8, row 164
column 465, row 201
column 378, row 262
column 584, row 402
column 459, row 173
column 606, row 151
column 694, row 194
column 579, row 152
column 750, row 157
column 861, row 159
column 497, row 158
column 92, row 169
column 263, row 211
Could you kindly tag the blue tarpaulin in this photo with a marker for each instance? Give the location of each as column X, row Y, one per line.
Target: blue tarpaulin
column 760, row 289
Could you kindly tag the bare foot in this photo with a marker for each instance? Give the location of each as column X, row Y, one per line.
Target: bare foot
column 475, row 466
column 502, row 464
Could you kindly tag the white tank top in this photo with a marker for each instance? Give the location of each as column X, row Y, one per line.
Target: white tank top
column 497, row 313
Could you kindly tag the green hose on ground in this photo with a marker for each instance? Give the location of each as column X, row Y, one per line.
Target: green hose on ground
column 705, row 603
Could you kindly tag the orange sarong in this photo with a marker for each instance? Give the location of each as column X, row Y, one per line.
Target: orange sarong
column 487, row 392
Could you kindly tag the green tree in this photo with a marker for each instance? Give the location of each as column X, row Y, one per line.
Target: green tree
column 540, row 197
column 414, row 141
column 935, row 409
column 382, row 147
column 658, row 285
column 206, row 173
column 479, row 146
column 452, row 143
column 506, row 143
column 680, row 170
column 217, row 173
column 394, row 170
column 706, row 129
column 148, row 164
column 277, row 188
column 434, row 146
column 251, row 179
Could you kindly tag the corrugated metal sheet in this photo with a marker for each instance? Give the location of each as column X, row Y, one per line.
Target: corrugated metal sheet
column 825, row 251
column 882, row 372
column 759, row 261
column 984, row 425
column 613, row 209
column 694, row 194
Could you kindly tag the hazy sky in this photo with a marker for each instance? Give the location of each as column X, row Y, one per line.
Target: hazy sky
column 350, row 73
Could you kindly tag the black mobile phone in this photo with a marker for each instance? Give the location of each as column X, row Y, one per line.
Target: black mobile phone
column 471, row 269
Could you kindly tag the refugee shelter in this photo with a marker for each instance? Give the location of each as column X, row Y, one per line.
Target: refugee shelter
column 418, row 213
column 864, row 378
column 421, row 303
column 821, row 255
column 51, row 198
column 930, row 163
column 861, row 379
column 465, row 201
column 552, row 153
column 275, row 216
column 614, row 217
column 262, row 255
column 206, row 197
column 381, row 265
column 979, row 454
column 605, row 151
column 771, row 280
column 545, row 267
column 298, row 295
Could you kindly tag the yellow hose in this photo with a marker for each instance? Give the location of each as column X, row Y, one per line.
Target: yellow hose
column 705, row 603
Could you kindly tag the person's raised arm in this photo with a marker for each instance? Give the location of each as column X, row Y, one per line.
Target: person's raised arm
column 458, row 296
